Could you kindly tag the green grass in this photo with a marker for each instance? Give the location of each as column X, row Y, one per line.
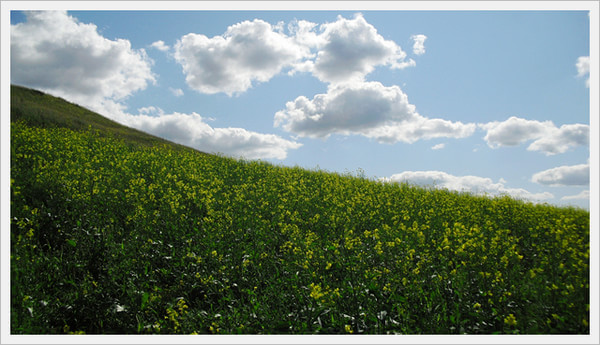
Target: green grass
column 38, row 109
column 110, row 237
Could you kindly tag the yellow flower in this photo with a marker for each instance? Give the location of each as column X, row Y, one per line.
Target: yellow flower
column 315, row 291
column 510, row 320
column 182, row 306
column 348, row 329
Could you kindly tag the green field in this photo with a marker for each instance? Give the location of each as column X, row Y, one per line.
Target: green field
column 115, row 231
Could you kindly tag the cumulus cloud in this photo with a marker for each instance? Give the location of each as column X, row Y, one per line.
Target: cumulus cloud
column 54, row 52
column 546, row 137
column 160, row 45
column 251, row 51
column 366, row 108
column 583, row 68
column 255, row 51
column 473, row 184
column 514, row 131
column 438, row 146
column 419, row 44
column 304, row 33
column 150, row 110
column 349, row 49
column 566, row 175
column 559, row 140
column 192, row 130
column 584, row 195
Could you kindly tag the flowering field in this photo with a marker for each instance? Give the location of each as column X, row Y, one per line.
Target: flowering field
column 113, row 237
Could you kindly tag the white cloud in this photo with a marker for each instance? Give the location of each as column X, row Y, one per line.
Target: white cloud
column 150, row 110
column 560, row 140
column 160, row 45
column 176, row 92
column 192, row 130
column 248, row 52
column 583, row 68
column 514, row 131
column 438, row 146
column 566, row 175
column 473, row 184
column 349, row 49
column 584, row 195
column 53, row 52
column 547, row 138
column 366, row 108
column 419, row 44
column 421, row 128
column 303, row 33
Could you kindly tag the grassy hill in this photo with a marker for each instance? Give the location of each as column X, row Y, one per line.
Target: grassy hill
column 38, row 109
column 110, row 236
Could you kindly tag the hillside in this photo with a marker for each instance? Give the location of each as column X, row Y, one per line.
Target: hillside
column 38, row 109
column 110, row 237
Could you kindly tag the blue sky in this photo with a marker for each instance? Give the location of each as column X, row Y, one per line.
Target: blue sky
column 486, row 101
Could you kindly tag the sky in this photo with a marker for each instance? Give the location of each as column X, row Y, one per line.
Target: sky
column 492, row 102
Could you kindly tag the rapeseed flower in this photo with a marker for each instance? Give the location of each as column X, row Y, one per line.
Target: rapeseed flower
column 316, row 291
column 205, row 205
column 510, row 320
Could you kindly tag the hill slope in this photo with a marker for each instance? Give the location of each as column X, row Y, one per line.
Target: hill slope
column 110, row 237
column 38, row 109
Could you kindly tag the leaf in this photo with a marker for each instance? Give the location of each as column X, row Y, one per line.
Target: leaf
column 72, row 243
column 145, row 297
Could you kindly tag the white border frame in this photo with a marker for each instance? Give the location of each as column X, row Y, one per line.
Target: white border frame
column 7, row 6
